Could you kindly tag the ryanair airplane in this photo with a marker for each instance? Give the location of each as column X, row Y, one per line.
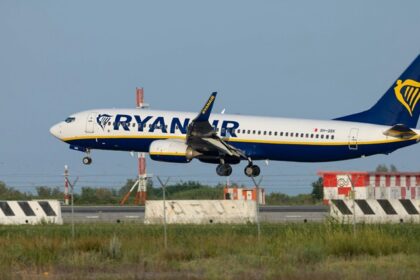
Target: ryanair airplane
column 224, row 139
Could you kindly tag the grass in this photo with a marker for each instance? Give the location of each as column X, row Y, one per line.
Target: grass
column 285, row 251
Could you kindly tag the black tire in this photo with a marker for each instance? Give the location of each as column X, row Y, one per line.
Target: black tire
column 219, row 170
column 224, row 170
column 87, row 160
column 248, row 171
column 256, row 171
column 252, row 171
column 228, row 170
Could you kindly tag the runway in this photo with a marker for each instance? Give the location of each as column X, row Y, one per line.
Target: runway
column 135, row 214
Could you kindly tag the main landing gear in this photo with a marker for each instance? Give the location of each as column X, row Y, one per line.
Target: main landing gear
column 252, row 170
column 224, row 169
column 87, row 160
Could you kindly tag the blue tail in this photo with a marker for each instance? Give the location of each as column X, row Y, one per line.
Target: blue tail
column 399, row 105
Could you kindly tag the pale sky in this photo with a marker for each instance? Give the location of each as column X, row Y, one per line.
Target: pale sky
column 301, row 59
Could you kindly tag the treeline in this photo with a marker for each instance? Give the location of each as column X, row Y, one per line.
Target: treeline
column 182, row 190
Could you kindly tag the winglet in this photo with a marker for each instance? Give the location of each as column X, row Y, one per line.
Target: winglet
column 206, row 111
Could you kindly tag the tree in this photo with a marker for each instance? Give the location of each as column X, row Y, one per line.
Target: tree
column 49, row 193
column 393, row 168
column 318, row 189
column 384, row 168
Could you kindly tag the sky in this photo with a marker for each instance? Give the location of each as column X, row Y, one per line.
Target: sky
column 300, row 59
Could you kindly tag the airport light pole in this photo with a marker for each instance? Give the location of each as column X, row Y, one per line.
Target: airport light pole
column 72, row 185
column 66, row 185
column 257, row 203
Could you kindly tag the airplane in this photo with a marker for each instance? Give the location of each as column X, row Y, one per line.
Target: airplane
column 225, row 139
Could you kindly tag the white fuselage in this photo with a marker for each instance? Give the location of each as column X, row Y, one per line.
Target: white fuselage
column 259, row 137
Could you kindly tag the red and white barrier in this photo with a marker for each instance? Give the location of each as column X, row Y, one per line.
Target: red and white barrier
column 371, row 185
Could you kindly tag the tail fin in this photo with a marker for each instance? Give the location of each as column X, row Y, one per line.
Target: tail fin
column 399, row 105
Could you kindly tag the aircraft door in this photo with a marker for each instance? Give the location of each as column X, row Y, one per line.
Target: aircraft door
column 90, row 123
column 354, row 132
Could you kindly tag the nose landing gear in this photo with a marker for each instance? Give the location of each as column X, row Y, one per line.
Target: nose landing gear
column 87, row 160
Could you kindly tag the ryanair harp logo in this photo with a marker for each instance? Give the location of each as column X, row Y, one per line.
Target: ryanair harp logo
column 103, row 119
column 408, row 94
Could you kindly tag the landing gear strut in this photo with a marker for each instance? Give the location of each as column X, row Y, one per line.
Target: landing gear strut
column 224, row 169
column 87, row 160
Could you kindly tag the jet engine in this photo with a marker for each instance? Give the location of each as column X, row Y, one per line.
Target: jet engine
column 171, row 151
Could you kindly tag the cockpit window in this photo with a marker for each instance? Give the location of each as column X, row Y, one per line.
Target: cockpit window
column 70, row 119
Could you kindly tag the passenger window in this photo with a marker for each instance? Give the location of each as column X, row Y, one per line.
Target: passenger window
column 265, row 132
column 253, row 132
column 287, row 134
column 249, row 131
column 317, row 136
column 307, row 135
column 281, row 133
column 269, row 133
column 291, row 134
column 275, row 133
column 259, row 132
column 312, row 135
column 301, row 135
column 328, row 137
column 332, row 137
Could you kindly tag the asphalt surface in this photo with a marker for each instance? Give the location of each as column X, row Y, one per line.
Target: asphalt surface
column 135, row 214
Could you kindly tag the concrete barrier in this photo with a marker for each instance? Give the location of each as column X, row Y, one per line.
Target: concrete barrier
column 375, row 210
column 201, row 212
column 30, row 212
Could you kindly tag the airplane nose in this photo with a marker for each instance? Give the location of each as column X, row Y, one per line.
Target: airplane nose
column 56, row 130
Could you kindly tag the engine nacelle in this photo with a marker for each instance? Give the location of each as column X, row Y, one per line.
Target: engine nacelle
column 171, row 151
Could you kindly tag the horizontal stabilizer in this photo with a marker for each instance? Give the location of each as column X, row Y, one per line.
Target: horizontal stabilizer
column 400, row 131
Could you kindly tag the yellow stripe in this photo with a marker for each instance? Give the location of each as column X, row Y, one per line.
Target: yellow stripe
column 415, row 102
column 242, row 140
column 121, row 137
column 406, row 91
column 413, row 96
column 411, row 89
column 167, row 154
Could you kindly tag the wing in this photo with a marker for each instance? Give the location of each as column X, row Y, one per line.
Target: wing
column 202, row 136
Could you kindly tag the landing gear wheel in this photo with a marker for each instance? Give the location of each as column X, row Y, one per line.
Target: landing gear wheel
column 87, row 160
column 224, row 170
column 252, row 171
